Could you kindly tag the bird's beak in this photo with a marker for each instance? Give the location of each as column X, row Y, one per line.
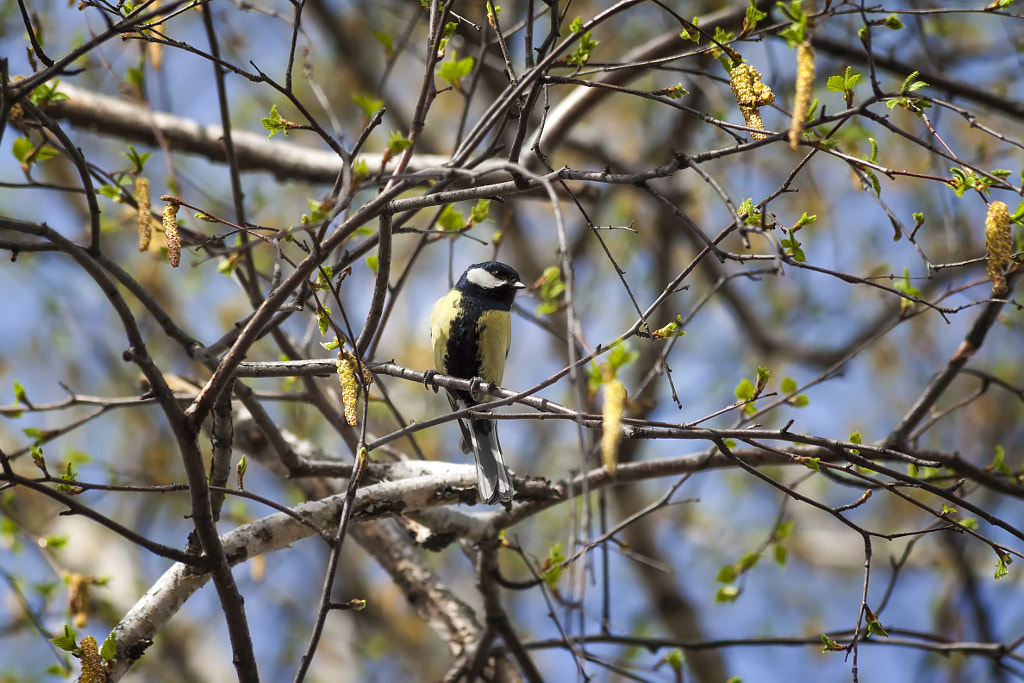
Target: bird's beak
column 519, row 285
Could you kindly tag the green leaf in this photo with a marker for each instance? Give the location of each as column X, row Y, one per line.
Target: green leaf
column 788, row 385
column 135, row 77
column 323, row 278
column 331, row 345
column 727, row 574
column 800, row 401
column 35, row 433
column 1001, row 569
column 893, row 22
column 138, row 159
column 830, row 645
column 371, row 261
column 744, row 390
column 999, row 463
column 317, row 211
column 22, row 148
column 368, row 104
column 750, row 215
column 763, row 376
column 905, row 287
column 691, row 34
column 550, row 291
column 67, row 640
column 747, row 562
column 19, row 393
column 793, row 248
column 797, row 30
column 674, row 658
column 54, row 542
column 811, row 463
column 323, row 319
column 37, row 458
column 781, row 555
column 804, row 221
column 111, row 192
column 67, row 475
column 108, row 650
column 551, row 569
column 450, row 219
column 875, row 626
column 727, row 594
column 274, row 123
column 386, row 40
column 676, row 92
column 621, row 355
column 479, row 213
column 581, row 54
column 454, row 70
column 671, row 330
column 397, row 142
column 46, row 94
column 752, row 17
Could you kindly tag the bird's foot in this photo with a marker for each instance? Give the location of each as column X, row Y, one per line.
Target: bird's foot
column 479, row 388
column 428, row 380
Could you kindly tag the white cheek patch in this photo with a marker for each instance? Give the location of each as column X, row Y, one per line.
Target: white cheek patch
column 481, row 278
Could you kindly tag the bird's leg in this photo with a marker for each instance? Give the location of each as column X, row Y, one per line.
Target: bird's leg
column 428, row 380
column 479, row 388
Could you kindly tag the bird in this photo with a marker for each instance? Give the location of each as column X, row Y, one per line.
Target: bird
column 470, row 332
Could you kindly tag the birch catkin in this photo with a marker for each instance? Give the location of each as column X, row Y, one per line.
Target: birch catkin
column 998, row 243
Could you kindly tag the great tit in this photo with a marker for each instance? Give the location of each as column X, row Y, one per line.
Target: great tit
column 470, row 329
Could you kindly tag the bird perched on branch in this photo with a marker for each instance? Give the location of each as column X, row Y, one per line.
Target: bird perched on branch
column 470, row 329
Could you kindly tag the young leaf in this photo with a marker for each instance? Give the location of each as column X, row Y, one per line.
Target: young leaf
column 108, row 650
column 550, row 291
column 450, row 219
column 830, row 645
column 998, row 463
column 368, row 104
column 454, row 70
column 744, row 390
column 478, row 214
column 274, row 123
column 67, row 640
column 551, row 568
column 727, row 594
column 20, row 395
column 1001, row 569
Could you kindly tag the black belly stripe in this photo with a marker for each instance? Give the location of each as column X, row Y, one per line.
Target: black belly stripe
column 462, row 357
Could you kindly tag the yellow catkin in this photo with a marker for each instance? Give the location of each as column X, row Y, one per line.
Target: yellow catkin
column 145, row 212
column 170, row 224
column 998, row 243
column 93, row 670
column 751, row 94
column 804, row 90
column 78, row 599
column 349, row 385
column 611, row 421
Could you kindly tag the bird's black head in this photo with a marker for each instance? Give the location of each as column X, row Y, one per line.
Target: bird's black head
column 491, row 280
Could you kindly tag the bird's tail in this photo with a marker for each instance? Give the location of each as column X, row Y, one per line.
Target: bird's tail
column 492, row 478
